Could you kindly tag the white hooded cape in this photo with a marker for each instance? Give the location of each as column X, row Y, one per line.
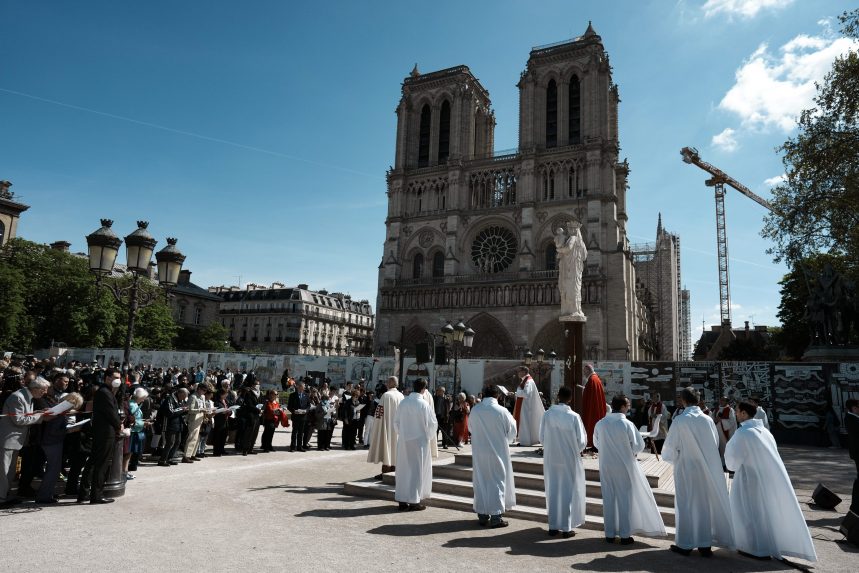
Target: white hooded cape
column 767, row 518
column 492, row 431
column 563, row 437
column 628, row 503
column 702, row 508
column 531, row 415
column 433, row 445
column 415, row 424
column 383, row 442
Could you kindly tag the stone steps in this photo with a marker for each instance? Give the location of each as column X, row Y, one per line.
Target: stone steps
column 381, row 490
column 452, row 487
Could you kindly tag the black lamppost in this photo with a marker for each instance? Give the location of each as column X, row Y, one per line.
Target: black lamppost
column 528, row 359
column 103, row 246
column 457, row 337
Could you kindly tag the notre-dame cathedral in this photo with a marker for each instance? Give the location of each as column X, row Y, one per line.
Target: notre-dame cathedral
column 470, row 231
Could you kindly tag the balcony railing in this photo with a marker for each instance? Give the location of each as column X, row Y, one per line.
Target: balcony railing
column 510, row 276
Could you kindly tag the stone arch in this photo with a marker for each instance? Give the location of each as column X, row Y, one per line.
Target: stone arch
column 414, row 335
column 491, row 339
column 550, row 337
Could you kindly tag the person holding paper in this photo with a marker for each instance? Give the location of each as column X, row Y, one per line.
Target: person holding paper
column 196, row 415
column 219, row 427
column 15, row 424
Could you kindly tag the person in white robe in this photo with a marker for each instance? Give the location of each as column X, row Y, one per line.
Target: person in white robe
column 726, row 424
column 702, row 508
column 427, row 397
column 383, row 442
column 563, row 436
column 628, row 503
column 768, row 521
column 492, row 429
column 532, row 411
column 761, row 414
column 415, row 424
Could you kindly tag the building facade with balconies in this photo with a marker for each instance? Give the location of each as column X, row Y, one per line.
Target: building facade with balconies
column 295, row 320
column 470, row 231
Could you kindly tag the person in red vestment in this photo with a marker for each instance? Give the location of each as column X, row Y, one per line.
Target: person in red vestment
column 593, row 402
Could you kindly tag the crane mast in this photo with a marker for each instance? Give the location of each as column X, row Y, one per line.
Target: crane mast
column 718, row 181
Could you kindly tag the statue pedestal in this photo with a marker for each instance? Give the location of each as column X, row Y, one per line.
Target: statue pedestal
column 574, row 349
column 831, row 354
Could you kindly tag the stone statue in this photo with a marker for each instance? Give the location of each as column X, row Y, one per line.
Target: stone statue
column 572, row 253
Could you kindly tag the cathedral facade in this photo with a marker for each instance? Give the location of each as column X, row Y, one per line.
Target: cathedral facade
column 470, row 231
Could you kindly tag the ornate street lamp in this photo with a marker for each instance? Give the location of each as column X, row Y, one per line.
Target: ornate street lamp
column 457, row 337
column 103, row 246
column 527, row 357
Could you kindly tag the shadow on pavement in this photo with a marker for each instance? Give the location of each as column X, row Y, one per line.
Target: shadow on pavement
column 330, row 488
column 422, row 529
column 357, row 512
column 536, row 543
column 680, row 563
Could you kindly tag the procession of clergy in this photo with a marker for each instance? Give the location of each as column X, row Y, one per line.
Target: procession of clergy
column 761, row 517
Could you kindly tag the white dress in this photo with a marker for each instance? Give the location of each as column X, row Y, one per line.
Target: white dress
column 492, row 431
column 628, row 503
column 563, row 437
column 768, row 521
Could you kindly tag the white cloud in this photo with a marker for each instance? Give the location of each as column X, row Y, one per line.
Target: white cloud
column 771, row 89
column 742, row 8
column 725, row 140
column 777, row 180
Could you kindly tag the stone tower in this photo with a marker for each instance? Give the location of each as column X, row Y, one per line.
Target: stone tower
column 470, row 231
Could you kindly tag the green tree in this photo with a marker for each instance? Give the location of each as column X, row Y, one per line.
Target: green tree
column 50, row 296
column 817, row 207
column 154, row 326
column 751, row 348
column 212, row 337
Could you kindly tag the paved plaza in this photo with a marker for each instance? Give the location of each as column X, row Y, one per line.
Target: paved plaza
column 286, row 511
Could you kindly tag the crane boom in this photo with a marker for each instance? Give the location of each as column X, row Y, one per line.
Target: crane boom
column 718, row 180
column 691, row 155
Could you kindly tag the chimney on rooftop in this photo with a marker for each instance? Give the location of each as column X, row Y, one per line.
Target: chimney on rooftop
column 184, row 277
column 60, row 245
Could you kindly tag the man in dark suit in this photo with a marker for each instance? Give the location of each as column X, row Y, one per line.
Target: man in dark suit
column 298, row 404
column 851, row 420
column 106, row 427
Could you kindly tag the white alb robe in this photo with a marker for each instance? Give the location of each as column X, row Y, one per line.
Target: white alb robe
column 492, row 429
column 531, row 414
column 761, row 415
column 702, row 508
column 628, row 503
column 415, row 424
column 563, row 436
column 383, row 442
column 768, row 521
column 434, row 442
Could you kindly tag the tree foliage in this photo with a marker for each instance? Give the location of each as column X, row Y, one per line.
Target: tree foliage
column 50, row 296
column 817, row 207
column 212, row 337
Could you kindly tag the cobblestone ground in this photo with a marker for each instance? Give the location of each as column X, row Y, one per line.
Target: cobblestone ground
column 285, row 512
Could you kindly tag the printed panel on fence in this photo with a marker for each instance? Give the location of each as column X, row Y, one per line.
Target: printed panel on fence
column 800, row 395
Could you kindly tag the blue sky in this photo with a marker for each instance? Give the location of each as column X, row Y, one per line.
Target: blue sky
column 258, row 133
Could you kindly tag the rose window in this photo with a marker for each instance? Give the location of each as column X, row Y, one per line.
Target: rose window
column 493, row 249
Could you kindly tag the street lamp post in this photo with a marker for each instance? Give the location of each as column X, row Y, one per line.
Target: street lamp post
column 103, row 246
column 457, row 337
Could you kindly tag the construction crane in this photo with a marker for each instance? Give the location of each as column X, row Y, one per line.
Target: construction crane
column 718, row 180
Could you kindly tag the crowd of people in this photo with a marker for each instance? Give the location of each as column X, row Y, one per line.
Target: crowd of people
column 65, row 424
column 760, row 517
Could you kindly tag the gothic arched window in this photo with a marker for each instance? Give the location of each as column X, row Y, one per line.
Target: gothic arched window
column 551, row 257
column 444, row 133
column 575, row 107
column 552, row 114
column 418, row 266
column 438, row 265
column 424, row 136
